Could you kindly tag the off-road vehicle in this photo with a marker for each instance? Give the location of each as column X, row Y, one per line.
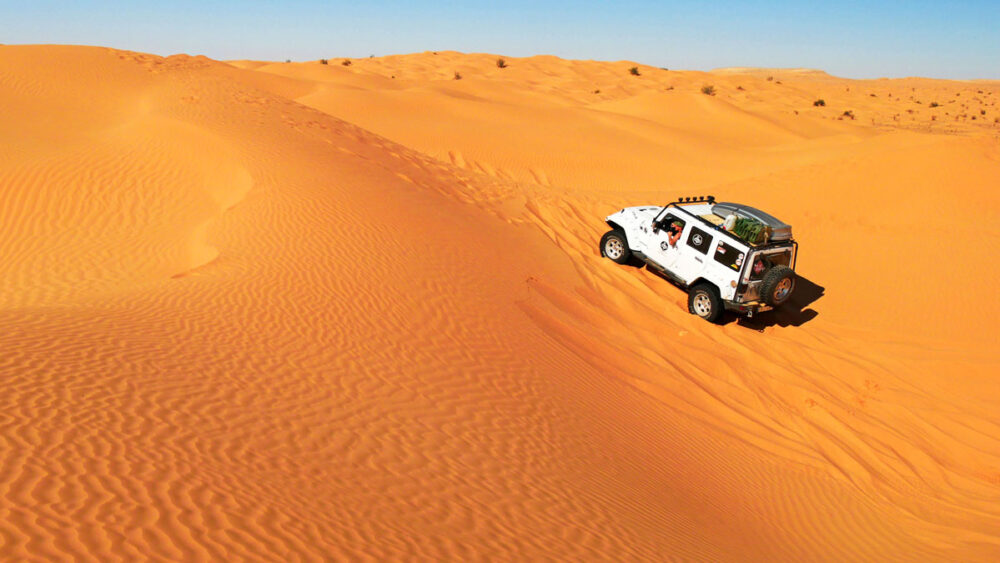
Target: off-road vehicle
column 727, row 256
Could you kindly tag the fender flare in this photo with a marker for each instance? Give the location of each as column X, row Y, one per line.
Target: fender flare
column 697, row 281
column 614, row 225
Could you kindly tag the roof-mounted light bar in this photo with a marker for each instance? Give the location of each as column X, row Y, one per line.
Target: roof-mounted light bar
column 694, row 199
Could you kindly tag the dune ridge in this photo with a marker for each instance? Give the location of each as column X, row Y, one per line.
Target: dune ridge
column 293, row 310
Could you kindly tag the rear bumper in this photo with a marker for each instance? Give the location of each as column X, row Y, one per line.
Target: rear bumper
column 749, row 309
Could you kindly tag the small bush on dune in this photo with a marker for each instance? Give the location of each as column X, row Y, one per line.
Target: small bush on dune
column 346, row 62
column 501, row 63
column 820, row 102
column 458, row 75
column 849, row 114
column 634, row 70
column 324, row 62
column 708, row 90
column 934, row 104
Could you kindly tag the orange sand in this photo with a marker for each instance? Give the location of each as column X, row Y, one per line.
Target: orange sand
column 292, row 311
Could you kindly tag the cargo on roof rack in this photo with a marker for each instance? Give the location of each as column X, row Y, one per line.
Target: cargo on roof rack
column 780, row 230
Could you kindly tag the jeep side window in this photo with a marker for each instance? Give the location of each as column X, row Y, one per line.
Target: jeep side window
column 699, row 240
column 729, row 256
column 668, row 220
column 672, row 227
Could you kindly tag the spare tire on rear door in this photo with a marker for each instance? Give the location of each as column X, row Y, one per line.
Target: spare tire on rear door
column 778, row 284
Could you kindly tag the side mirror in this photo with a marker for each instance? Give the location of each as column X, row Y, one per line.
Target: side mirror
column 655, row 226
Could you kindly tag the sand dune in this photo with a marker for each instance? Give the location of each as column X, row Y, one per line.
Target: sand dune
column 296, row 310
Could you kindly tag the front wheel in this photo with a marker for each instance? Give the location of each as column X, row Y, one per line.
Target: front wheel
column 704, row 301
column 615, row 247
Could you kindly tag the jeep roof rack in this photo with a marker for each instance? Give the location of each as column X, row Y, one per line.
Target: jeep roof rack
column 681, row 201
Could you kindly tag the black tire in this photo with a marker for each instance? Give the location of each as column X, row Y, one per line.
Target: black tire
column 778, row 285
column 614, row 246
column 704, row 301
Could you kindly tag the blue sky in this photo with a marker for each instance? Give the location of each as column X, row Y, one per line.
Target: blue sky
column 854, row 39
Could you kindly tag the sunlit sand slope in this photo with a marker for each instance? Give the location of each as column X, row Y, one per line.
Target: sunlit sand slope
column 237, row 326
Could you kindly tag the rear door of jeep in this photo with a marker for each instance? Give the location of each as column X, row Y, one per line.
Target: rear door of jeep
column 694, row 246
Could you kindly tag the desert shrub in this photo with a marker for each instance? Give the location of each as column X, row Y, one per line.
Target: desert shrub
column 740, row 88
column 849, row 114
column 324, row 62
column 634, row 71
column 708, row 90
column 820, row 102
column 770, row 79
column 501, row 63
column 458, row 75
column 597, row 91
column 934, row 104
column 982, row 112
column 288, row 60
column 346, row 62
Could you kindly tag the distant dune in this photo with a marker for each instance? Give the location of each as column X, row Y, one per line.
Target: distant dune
column 283, row 311
column 770, row 71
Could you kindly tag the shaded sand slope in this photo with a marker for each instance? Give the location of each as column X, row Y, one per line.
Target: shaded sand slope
column 245, row 328
column 101, row 190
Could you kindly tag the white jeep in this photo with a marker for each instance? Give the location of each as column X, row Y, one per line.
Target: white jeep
column 726, row 255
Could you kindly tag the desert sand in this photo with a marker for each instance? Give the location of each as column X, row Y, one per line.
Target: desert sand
column 291, row 311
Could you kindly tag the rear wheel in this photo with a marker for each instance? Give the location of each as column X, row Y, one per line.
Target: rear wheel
column 615, row 247
column 778, row 285
column 704, row 301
